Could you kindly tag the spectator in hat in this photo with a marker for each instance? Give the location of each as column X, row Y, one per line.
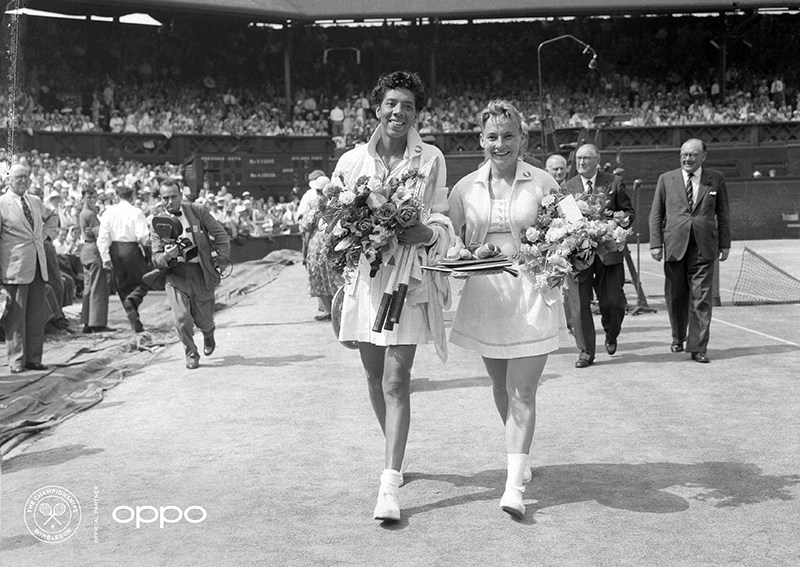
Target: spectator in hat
column 323, row 281
column 308, row 204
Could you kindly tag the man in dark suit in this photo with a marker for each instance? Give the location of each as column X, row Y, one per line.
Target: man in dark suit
column 55, row 297
column 690, row 220
column 606, row 274
column 192, row 274
column 23, row 271
column 556, row 165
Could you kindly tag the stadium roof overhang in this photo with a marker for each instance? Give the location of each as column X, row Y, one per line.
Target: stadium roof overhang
column 281, row 11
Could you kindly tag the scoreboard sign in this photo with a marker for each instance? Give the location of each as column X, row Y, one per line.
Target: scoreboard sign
column 269, row 173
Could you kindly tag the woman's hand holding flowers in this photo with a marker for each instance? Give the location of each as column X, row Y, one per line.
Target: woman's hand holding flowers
column 417, row 233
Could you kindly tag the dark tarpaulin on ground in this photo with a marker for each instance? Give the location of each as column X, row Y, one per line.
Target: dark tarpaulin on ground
column 83, row 367
column 32, row 401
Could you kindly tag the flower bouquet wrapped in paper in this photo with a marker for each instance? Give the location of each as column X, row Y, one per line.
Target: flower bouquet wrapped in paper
column 569, row 232
column 363, row 219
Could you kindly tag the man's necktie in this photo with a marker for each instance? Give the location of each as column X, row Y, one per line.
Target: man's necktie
column 589, row 186
column 27, row 210
column 690, row 192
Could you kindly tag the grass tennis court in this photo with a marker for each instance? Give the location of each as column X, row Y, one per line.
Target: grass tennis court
column 643, row 459
column 779, row 324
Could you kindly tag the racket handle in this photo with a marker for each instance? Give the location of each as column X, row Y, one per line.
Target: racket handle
column 398, row 300
column 383, row 310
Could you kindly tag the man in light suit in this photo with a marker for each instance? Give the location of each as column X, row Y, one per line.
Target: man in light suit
column 23, row 271
column 690, row 229
column 606, row 274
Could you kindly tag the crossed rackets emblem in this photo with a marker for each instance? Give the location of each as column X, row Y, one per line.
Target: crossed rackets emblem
column 53, row 513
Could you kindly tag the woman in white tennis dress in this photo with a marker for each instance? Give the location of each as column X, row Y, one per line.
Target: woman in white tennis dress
column 505, row 319
column 388, row 356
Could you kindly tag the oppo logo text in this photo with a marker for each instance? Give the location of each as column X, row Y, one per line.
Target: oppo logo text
column 163, row 515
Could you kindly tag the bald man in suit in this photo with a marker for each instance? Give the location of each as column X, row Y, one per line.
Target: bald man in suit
column 23, row 271
column 690, row 229
column 606, row 275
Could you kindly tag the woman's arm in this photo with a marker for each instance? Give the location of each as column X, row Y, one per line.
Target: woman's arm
column 456, row 209
column 438, row 176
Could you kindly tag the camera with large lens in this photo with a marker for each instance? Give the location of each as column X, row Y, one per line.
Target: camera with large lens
column 171, row 231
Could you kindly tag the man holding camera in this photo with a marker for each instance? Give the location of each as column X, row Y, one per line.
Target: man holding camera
column 191, row 245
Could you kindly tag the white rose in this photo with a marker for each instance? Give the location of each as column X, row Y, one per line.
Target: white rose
column 532, row 234
column 374, row 184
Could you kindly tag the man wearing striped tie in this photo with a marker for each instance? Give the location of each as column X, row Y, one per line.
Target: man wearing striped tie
column 23, row 271
column 690, row 230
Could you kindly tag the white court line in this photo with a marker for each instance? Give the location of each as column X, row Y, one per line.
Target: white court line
column 739, row 326
column 755, row 332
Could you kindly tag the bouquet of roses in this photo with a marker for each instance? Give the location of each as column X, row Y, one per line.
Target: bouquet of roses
column 363, row 218
column 568, row 233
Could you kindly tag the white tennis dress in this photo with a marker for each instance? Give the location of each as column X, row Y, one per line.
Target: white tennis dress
column 501, row 316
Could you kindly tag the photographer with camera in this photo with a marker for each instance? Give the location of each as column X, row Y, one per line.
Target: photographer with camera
column 192, row 246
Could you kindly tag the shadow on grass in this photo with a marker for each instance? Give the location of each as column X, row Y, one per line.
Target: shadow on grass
column 310, row 321
column 427, row 385
column 47, row 458
column 262, row 361
column 643, row 488
column 22, row 541
column 684, row 357
column 631, row 330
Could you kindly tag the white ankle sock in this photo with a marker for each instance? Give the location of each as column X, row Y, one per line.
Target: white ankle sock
column 391, row 478
column 517, row 463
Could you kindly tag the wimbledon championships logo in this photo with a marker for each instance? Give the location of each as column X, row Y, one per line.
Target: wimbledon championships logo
column 52, row 514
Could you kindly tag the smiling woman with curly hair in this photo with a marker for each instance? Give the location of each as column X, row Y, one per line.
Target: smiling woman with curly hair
column 395, row 149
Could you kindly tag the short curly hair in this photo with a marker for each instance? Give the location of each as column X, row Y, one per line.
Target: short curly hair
column 400, row 80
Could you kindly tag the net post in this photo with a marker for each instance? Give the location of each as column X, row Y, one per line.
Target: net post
column 716, row 301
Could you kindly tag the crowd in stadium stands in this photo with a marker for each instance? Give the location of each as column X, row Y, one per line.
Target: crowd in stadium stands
column 63, row 180
column 182, row 79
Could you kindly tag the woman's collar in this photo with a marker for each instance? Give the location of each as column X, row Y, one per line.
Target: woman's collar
column 414, row 143
column 521, row 173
